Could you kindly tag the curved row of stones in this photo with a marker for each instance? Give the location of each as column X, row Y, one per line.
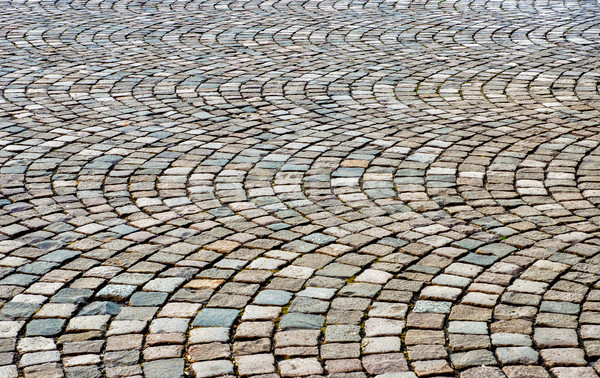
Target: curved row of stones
column 308, row 188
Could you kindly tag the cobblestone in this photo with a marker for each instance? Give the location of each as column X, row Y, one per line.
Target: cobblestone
column 299, row 188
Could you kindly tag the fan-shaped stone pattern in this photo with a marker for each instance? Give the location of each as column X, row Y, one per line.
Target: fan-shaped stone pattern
column 299, row 188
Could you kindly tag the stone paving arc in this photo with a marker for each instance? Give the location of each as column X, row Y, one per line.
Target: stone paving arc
column 276, row 188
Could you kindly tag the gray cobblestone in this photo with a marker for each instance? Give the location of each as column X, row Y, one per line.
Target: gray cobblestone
column 261, row 189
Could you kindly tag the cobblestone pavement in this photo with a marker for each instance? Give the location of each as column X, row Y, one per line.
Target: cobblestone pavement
column 285, row 188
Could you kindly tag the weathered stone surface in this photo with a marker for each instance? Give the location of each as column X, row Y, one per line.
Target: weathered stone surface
column 384, row 189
